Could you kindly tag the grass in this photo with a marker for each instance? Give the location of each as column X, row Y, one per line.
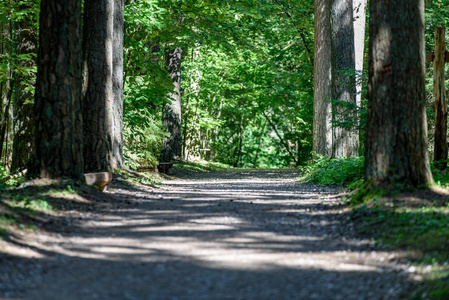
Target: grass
column 43, row 203
column 38, row 203
column 420, row 229
column 131, row 178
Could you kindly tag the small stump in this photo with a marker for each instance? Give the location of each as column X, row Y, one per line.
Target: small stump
column 164, row 167
column 100, row 179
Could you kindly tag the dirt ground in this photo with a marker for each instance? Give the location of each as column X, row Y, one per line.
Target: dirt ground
column 206, row 235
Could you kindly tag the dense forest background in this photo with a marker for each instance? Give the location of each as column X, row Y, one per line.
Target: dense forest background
column 246, row 80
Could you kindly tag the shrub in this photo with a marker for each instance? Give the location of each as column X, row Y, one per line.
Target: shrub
column 336, row 171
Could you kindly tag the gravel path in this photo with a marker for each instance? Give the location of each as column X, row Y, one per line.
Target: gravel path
column 239, row 235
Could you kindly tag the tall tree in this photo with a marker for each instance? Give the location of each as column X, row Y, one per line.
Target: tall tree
column 172, row 115
column 59, row 141
column 322, row 107
column 334, row 90
column 396, row 140
column 102, row 103
column 344, row 141
column 441, row 147
column 25, row 47
column 5, row 82
column 117, row 83
column 359, row 15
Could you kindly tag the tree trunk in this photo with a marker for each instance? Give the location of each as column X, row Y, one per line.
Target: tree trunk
column 359, row 7
column 99, row 100
column 396, row 139
column 59, row 141
column 322, row 107
column 440, row 99
column 345, row 141
column 172, row 117
column 23, row 143
column 117, row 84
column 5, row 84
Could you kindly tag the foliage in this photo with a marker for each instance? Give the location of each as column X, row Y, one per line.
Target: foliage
column 441, row 177
column 142, row 139
column 436, row 15
column 335, row 171
column 13, row 12
column 3, row 172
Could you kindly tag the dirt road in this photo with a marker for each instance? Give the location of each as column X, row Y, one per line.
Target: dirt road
column 239, row 235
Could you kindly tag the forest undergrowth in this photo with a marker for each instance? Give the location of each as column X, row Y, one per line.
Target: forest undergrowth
column 412, row 220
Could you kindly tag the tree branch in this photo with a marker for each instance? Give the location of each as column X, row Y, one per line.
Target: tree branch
column 301, row 32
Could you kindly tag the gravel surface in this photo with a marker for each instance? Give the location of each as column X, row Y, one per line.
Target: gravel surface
column 211, row 235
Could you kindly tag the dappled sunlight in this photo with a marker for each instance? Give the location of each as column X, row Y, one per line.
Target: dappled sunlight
column 241, row 251
column 242, row 182
column 210, row 238
column 213, row 241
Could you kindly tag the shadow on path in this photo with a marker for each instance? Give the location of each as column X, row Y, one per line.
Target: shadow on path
column 259, row 235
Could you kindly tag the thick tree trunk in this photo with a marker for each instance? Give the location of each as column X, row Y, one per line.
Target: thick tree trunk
column 23, row 143
column 440, row 99
column 396, row 139
column 172, row 117
column 322, row 107
column 99, row 99
column 117, row 84
column 59, row 141
column 345, row 141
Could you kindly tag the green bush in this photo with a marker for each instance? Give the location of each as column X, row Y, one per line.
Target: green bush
column 336, row 171
column 3, row 171
column 142, row 142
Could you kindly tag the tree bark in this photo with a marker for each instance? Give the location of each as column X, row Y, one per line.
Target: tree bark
column 99, row 100
column 5, row 84
column 172, row 116
column 359, row 7
column 59, row 141
column 117, row 84
column 440, row 99
column 322, row 107
column 345, row 141
column 396, row 139
column 23, row 142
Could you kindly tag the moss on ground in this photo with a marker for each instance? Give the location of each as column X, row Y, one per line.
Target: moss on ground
column 417, row 222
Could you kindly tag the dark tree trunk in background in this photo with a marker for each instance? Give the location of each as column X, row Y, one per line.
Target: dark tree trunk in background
column 344, row 142
column 171, row 118
column 117, row 83
column 101, row 108
column 396, row 139
column 5, row 86
column 440, row 99
column 322, row 107
column 23, row 143
column 58, row 92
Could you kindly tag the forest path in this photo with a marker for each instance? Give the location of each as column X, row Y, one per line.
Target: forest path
column 220, row 235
